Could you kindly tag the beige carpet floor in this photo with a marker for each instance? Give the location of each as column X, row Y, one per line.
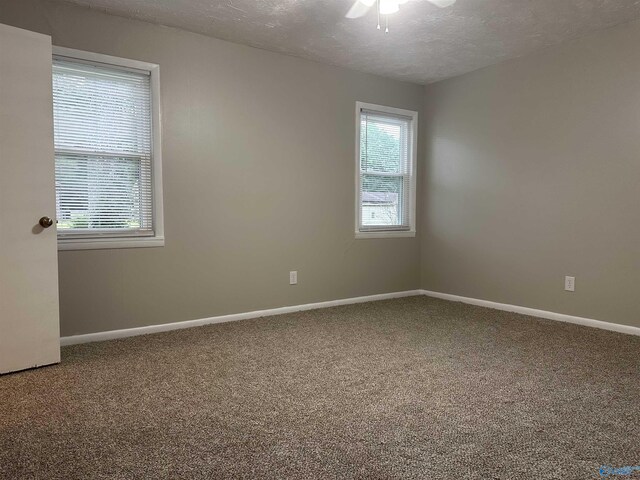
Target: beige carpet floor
column 407, row 388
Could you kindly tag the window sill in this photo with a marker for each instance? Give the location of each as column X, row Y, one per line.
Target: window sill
column 109, row 243
column 385, row 234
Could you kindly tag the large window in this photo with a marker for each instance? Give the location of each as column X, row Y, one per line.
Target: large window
column 385, row 171
column 107, row 156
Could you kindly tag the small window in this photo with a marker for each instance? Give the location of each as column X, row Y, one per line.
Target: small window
column 107, row 152
column 385, row 171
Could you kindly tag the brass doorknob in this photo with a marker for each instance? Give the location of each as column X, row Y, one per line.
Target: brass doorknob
column 45, row 222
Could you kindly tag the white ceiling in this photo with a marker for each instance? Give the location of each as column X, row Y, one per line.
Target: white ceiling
column 425, row 43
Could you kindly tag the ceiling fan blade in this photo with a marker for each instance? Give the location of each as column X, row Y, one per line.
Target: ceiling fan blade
column 442, row 3
column 359, row 9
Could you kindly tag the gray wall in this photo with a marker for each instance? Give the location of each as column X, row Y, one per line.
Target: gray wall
column 533, row 173
column 258, row 153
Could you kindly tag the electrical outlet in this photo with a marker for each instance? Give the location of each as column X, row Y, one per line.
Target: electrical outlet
column 570, row 284
column 293, row 277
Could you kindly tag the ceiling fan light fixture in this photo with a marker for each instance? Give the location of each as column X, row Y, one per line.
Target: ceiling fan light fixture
column 387, row 7
column 443, row 3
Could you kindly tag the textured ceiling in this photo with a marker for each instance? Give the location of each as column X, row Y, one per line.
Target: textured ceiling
column 425, row 43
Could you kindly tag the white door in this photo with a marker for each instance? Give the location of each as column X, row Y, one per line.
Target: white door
column 29, row 325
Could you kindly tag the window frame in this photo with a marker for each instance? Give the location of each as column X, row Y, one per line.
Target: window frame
column 93, row 242
column 391, row 232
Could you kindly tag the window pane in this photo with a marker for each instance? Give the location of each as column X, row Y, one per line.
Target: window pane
column 101, row 193
column 386, row 170
column 99, row 109
column 102, row 138
column 380, row 145
column 381, row 200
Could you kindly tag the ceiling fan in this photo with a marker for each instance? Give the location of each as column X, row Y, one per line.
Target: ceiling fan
column 386, row 7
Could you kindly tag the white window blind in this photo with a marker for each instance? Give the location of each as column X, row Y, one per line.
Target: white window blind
column 386, row 169
column 103, row 150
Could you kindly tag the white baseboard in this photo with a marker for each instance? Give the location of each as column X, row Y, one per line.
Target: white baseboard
column 560, row 317
column 132, row 332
